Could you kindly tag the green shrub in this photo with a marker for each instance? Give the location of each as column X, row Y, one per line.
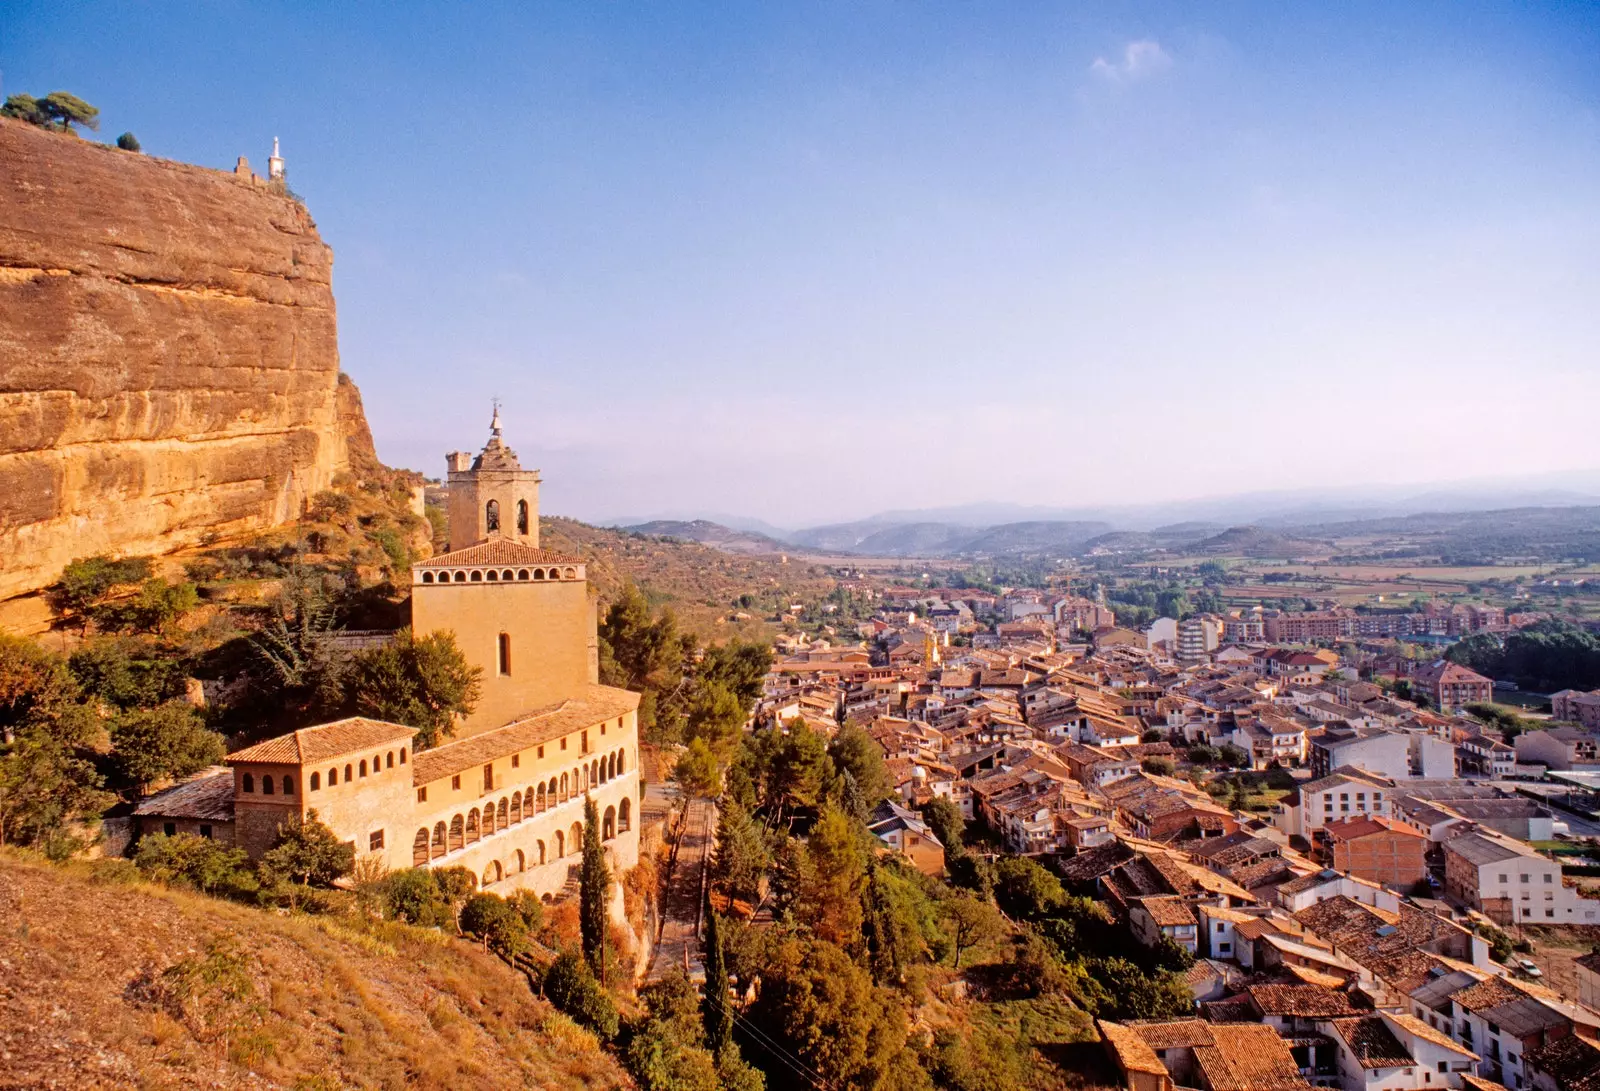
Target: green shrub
column 571, row 986
column 208, row 866
column 413, row 895
column 492, row 919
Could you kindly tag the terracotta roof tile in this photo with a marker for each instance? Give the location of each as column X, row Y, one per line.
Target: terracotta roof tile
column 1248, row 1057
column 1131, row 1051
column 314, row 744
column 497, row 551
column 1412, row 1025
column 597, row 704
column 1372, row 1042
column 1310, row 1001
column 208, row 796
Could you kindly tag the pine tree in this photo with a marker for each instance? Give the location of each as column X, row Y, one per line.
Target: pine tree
column 594, row 888
column 718, row 1017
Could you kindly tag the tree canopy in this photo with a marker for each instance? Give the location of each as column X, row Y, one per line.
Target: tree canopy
column 423, row 683
column 59, row 110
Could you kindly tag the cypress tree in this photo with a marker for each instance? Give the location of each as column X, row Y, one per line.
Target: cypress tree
column 594, row 886
column 716, row 1014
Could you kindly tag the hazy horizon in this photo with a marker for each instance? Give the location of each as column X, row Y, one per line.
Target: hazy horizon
column 1577, row 488
column 810, row 262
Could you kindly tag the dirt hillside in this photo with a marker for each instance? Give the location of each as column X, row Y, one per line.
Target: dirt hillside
column 106, row 983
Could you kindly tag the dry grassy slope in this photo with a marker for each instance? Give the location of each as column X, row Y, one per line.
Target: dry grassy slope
column 699, row 582
column 331, row 1007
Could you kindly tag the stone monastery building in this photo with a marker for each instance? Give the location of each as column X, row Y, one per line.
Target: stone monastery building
column 505, row 796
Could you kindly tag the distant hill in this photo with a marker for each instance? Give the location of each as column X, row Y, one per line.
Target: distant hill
column 1256, row 542
column 302, row 1002
column 1547, row 533
column 708, row 533
column 1041, row 536
column 699, row 582
column 1468, row 536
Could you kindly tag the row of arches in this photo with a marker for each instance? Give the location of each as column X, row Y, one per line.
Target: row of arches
column 247, row 783
column 520, row 862
column 353, row 770
column 464, row 830
column 498, row 575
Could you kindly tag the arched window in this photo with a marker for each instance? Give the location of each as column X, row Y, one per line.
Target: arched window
column 608, row 825
column 527, row 802
column 472, row 825
column 363, row 766
column 541, row 851
column 522, row 573
column 266, row 785
column 539, row 803
column 575, row 836
column 491, row 516
column 494, row 577
column 288, row 785
column 622, row 761
column 402, row 755
column 438, row 840
column 522, row 861
column 249, row 783
column 571, row 573
column 625, row 815
column 505, row 653
column 333, row 777
column 476, row 577
column 502, row 815
column 389, row 759
column 516, row 808
column 427, row 577
column 561, row 844
column 522, row 517
column 563, row 787
column 347, row 777
column 506, row 575
column 419, row 848
column 316, row 781
column 457, row 840
column 461, row 577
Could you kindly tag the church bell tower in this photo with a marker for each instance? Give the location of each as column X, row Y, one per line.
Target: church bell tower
column 492, row 496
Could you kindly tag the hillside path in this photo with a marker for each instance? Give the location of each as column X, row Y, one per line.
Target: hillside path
column 678, row 943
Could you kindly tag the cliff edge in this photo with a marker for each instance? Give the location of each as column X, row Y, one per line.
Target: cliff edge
column 169, row 363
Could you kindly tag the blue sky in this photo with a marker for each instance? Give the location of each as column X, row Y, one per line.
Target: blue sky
column 808, row 261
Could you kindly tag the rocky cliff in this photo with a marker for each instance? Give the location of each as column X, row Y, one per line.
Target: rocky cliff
column 169, row 364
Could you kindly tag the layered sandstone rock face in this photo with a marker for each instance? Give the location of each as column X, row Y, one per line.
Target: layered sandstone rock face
column 169, row 367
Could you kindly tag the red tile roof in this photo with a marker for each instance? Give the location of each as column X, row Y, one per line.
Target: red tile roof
column 595, row 705
column 313, row 744
column 497, row 551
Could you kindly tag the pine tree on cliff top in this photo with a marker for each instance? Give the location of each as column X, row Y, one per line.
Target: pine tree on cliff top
column 594, row 886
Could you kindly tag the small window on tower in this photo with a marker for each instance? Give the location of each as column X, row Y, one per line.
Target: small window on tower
column 491, row 515
column 522, row 517
column 505, row 653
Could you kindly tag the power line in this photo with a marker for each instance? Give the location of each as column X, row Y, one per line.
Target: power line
column 761, row 1038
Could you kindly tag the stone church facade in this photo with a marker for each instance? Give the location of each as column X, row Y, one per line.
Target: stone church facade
column 504, row 797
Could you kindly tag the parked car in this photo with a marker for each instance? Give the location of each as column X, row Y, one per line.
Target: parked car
column 1528, row 969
